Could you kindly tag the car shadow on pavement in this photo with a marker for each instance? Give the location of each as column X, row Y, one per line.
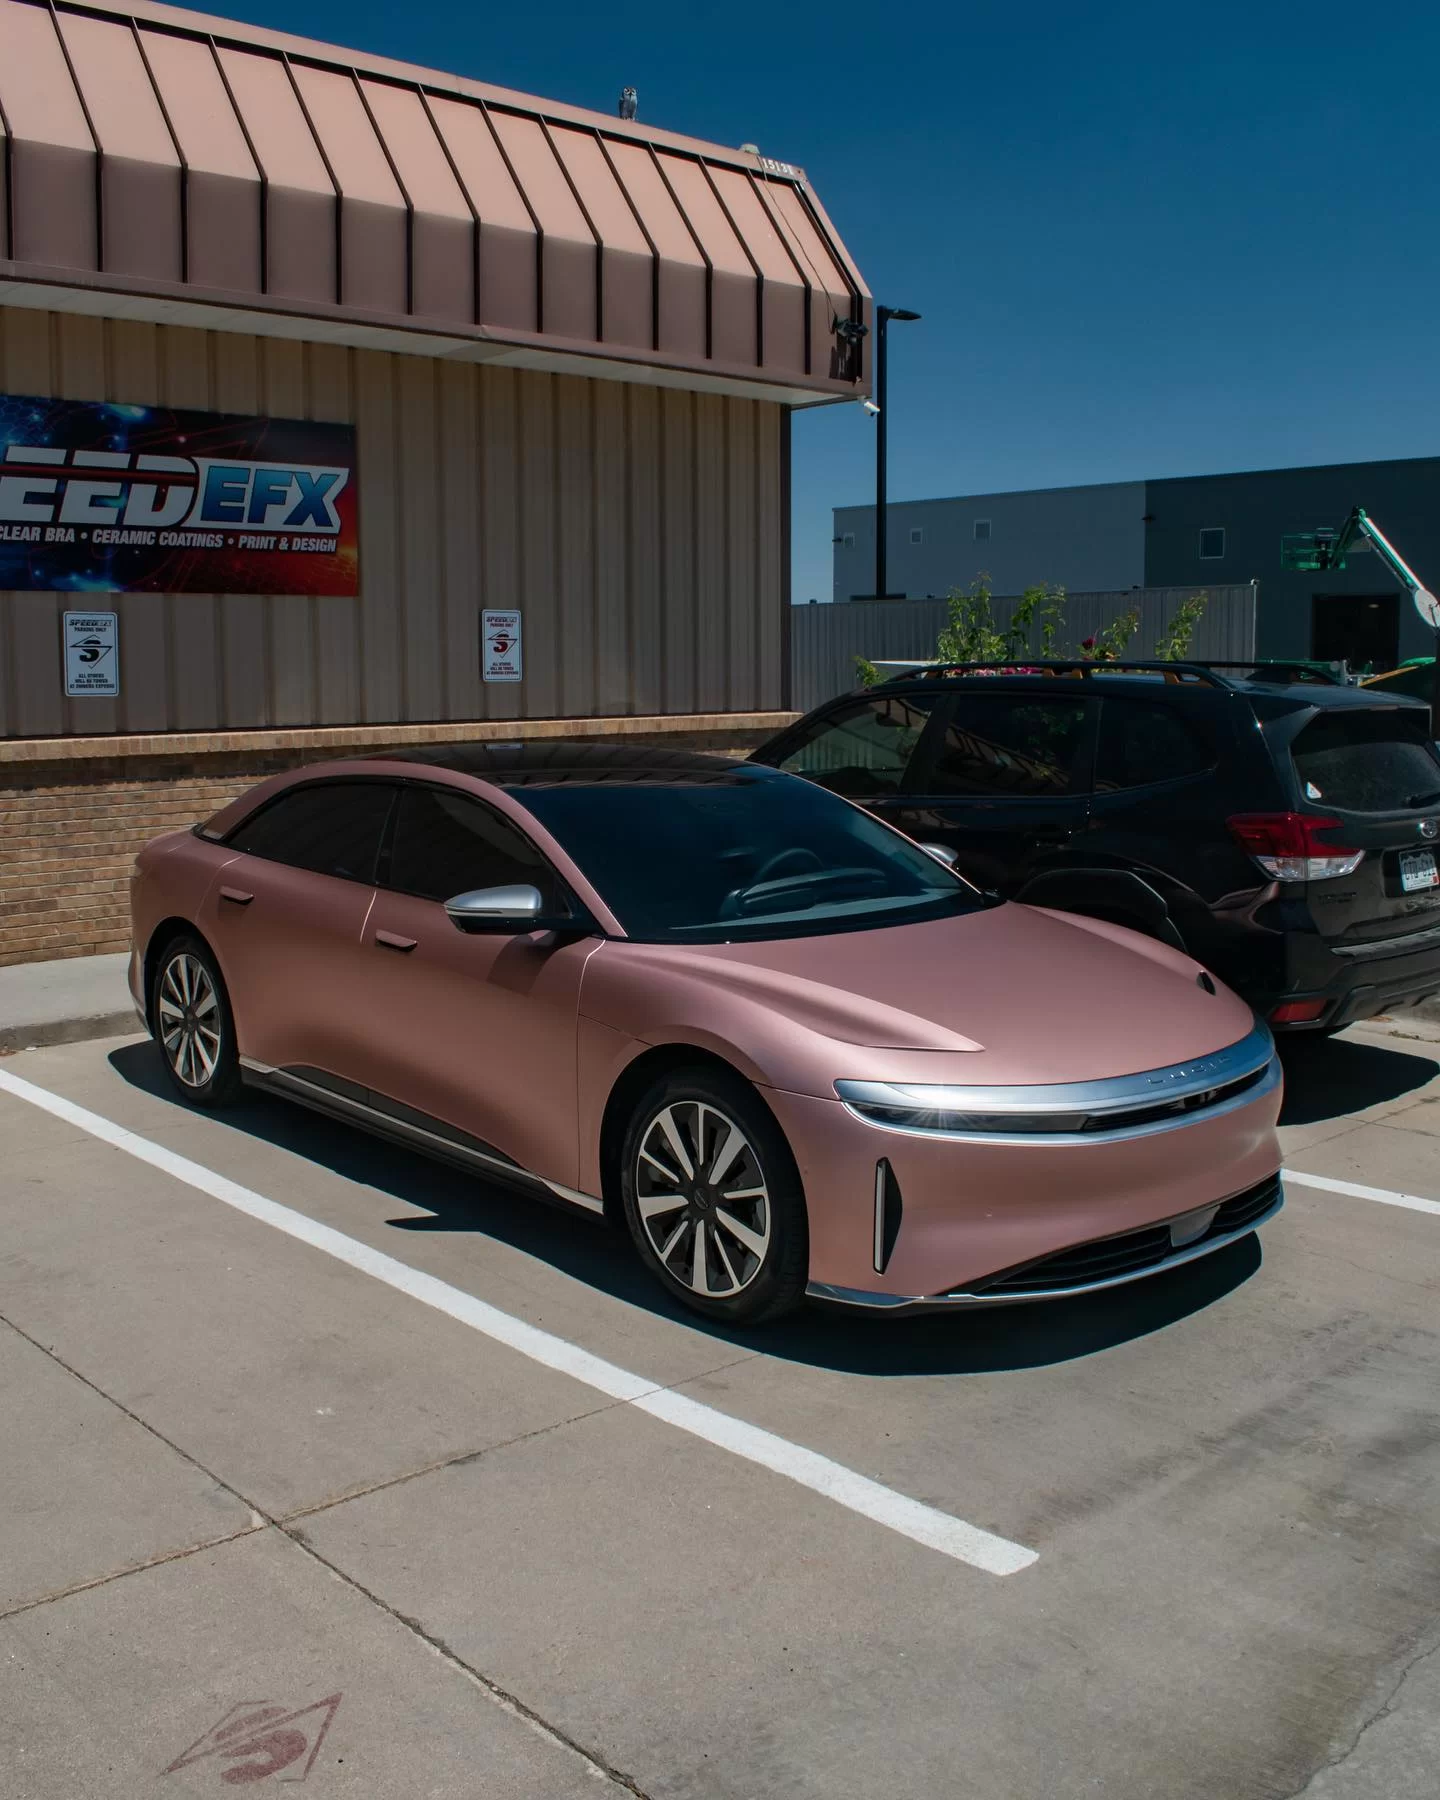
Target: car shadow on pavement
column 586, row 1249
column 1329, row 1078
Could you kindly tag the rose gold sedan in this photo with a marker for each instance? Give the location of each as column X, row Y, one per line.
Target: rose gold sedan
column 794, row 1050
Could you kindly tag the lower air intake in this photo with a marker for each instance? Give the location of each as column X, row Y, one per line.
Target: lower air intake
column 1133, row 1252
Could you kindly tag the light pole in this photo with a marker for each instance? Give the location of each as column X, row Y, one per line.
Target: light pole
column 883, row 316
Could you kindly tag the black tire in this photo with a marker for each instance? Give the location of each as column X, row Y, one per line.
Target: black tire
column 750, row 1222
column 193, row 1025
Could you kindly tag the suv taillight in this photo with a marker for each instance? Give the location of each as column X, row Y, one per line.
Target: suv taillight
column 1287, row 846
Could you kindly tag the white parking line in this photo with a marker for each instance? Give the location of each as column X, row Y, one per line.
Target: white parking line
column 911, row 1518
column 1386, row 1196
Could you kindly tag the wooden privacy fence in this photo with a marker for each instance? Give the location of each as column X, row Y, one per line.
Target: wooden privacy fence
column 825, row 640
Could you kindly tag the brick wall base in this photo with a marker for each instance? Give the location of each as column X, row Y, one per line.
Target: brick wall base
column 72, row 820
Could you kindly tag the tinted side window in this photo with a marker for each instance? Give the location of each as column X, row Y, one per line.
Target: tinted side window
column 447, row 844
column 864, row 747
column 1010, row 745
column 334, row 829
column 1142, row 741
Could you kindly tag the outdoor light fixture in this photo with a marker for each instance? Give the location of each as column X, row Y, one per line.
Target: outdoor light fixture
column 876, row 407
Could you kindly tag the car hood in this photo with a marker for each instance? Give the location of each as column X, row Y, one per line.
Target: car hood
column 1010, row 994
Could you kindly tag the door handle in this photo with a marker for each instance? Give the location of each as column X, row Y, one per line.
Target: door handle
column 390, row 940
column 237, row 896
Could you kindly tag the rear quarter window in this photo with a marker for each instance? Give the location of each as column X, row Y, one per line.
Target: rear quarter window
column 331, row 829
column 1145, row 741
column 1363, row 761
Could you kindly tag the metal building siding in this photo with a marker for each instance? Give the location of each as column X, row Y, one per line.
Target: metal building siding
column 1258, row 508
column 637, row 528
column 1087, row 539
column 826, row 639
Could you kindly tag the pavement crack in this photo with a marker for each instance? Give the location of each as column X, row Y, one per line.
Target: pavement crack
column 459, row 1460
column 508, row 1702
column 150, row 1562
column 594, row 1762
column 700, row 1374
column 1377, row 1717
column 258, row 1512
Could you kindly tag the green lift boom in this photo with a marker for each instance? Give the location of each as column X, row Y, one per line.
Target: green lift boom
column 1318, row 550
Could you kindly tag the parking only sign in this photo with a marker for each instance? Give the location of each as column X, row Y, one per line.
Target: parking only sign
column 92, row 655
column 500, row 646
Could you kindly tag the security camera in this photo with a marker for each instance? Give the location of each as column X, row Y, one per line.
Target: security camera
column 871, row 408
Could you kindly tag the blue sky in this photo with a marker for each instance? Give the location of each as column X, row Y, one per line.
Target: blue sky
column 1145, row 240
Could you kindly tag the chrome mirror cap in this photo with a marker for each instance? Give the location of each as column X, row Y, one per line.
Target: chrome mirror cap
column 516, row 908
column 942, row 854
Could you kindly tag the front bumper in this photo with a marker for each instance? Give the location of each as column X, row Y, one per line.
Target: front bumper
column 972, row 1208
column 1256, row 1208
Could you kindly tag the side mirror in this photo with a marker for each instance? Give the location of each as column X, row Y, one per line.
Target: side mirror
column 506, row 910
column 942, row 854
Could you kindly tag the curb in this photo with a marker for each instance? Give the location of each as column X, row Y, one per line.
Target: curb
column 68, row 1031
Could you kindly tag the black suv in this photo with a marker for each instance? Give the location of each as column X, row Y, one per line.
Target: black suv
column 1283, row 831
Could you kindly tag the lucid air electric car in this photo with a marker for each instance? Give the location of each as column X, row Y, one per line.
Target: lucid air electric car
column 793, row 1050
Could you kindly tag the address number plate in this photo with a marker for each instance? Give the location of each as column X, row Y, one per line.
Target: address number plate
column 1417, row 870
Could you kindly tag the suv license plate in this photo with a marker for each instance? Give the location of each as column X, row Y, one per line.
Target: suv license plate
column 1417, row 870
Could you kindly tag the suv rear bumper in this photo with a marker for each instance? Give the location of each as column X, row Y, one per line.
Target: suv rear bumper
column 1355, row 987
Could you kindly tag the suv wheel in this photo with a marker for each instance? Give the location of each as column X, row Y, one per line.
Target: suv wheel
column 193, row 1024
column 713, row 1199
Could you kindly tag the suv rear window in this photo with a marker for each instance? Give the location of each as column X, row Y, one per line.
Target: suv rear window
column 1379, row 761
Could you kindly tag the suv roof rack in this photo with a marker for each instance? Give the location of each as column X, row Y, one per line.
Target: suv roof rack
column 1281, row 672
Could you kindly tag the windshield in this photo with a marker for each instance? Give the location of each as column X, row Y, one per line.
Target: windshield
column 745, row 855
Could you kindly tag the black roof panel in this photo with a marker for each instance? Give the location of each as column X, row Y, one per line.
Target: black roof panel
column 548, row 762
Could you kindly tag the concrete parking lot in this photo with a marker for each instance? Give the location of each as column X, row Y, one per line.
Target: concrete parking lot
column 276, row 1509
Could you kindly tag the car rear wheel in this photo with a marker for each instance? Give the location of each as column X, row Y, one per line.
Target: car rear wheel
column 193, row 1024
column 713, row 1199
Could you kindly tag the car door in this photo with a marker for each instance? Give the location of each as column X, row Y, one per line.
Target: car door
column 1002, row 778
column 286, row 917
column 476, row 1031
column 1155, row 809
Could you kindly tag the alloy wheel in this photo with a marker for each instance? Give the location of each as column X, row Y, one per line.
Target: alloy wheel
column 189, row 1019
column 703, row 1199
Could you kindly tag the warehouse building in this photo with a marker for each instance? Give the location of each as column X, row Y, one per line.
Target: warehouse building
column 346, row 403
column 1213, row 531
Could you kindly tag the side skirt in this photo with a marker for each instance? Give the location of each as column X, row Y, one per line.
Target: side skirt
column 355, row 1105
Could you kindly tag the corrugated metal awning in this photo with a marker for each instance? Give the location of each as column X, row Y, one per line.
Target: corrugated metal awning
column 174, row 160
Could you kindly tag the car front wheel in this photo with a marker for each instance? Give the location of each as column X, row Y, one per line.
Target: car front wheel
column 193, row 1025
column 713, row 1199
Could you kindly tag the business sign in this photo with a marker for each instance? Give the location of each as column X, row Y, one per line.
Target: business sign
column 92, row 655
column 500, row 646
column 96, row 498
